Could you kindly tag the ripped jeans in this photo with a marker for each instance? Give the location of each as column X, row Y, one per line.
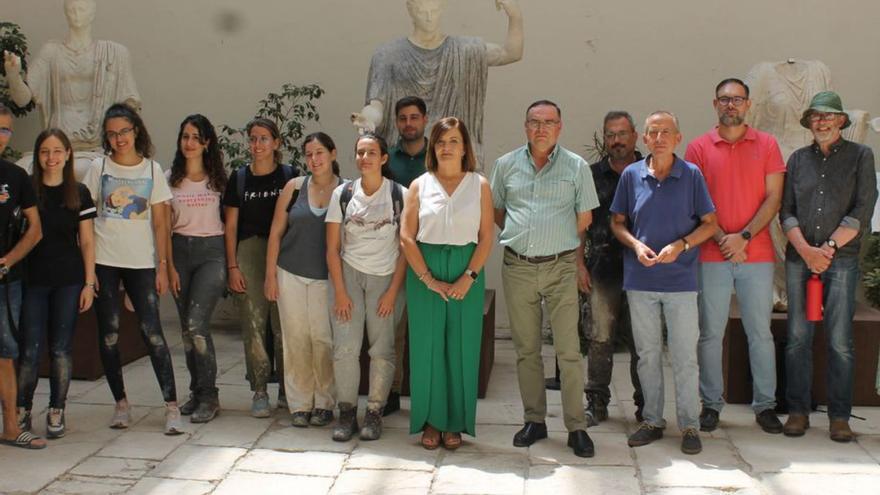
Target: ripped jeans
column 200, row 263
column 140, row 285
column 52, row 311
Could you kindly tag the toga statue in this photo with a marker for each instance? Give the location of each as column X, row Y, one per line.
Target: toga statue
column 780, row 92
column 448, row 72
column 73, row 82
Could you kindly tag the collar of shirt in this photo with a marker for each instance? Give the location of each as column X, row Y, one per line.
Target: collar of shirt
column 835, row 147
column 750, row 135
column 400, row 150
column 550, row 159
column 604, row 165
column 677, row 168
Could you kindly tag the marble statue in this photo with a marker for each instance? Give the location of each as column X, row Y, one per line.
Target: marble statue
column 448, row 72
column 73, row 82
column 780, row 91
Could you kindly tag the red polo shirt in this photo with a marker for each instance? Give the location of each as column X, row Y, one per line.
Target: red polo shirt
column 735, row 174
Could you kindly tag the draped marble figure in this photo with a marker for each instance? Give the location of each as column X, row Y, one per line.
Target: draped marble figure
column 448, row 72
column 73, row 82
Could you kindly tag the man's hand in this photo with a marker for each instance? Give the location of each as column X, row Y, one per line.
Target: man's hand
column 732, row 244
column 670, row 252
column 583, row 277
column 817, row 259
column 645, row 255
column 739, row 257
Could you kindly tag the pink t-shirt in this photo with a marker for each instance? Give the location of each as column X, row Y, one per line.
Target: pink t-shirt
column 195, row 209
column 735, row 174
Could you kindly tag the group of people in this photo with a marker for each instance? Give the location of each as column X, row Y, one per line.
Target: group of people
column 317, row 261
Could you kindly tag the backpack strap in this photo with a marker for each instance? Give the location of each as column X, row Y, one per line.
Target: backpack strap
column 240, row 176
column 295, row 194
column 345, row 197
column 397, row 201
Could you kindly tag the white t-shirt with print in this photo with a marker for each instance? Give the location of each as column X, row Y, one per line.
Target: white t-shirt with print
column 123, row 196
column 370, row 234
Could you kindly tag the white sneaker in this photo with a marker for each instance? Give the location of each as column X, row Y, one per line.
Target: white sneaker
column 173, row 423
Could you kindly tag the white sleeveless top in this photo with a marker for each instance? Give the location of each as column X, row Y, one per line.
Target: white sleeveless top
column 445, row 219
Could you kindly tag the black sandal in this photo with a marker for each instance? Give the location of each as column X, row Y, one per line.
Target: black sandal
column 24, row 440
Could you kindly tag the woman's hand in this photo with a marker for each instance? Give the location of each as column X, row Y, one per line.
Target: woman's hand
column 236, row 281
column 270, row 287
column 342, row 307
column 174, row 281
column 460, row 288
column 87, row 297
column 161, row 281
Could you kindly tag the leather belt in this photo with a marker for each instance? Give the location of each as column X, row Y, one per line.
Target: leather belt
column 538, row 259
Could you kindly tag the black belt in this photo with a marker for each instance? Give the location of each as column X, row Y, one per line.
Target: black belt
column 538, row 259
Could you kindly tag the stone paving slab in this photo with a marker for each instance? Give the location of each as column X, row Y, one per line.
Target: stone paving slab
column 326, row 464
column 481, row 474
column 241, row 482
column 195, row 462
column 578, row 480
column 113, row 467
column 160, row 486
column 372, row 482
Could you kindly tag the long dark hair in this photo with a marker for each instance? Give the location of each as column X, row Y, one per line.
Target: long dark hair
column 69, row 187
column 270, row 126
column 325, row 141
column 383, row 151
column 468, row 161
column 212, row 160
column 142, row 142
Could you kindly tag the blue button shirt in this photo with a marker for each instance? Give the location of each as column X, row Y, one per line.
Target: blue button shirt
column 659, row 213
column 541, row 206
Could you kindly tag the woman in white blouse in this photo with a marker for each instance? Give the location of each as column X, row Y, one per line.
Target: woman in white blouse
column 446, row 235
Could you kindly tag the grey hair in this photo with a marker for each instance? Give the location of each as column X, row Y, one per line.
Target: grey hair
column 666, row 113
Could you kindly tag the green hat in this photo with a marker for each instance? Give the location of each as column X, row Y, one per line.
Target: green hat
column 825, row 102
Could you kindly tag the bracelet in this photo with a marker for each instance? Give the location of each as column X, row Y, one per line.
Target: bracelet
column 163, row 262
column 424, row 275
column 233, row 267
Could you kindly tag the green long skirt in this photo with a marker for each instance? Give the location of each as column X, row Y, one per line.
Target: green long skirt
column 444, row 344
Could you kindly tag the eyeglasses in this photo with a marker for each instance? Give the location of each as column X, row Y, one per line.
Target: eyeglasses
column 736, row 100
column 112, row 135
column 620, row 136
column 816, row 117
column 264, row 140
column 5, row 131
column 538, row 124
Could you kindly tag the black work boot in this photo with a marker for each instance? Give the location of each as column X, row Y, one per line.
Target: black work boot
column 206, row 410
column 372, row 429
column 347, row 423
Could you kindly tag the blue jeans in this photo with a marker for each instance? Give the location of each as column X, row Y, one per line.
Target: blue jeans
column 839, row 295
column 140, row 285
column 680, row 312
column 201, row 264
column 8, row 344
column 754, row 293
column 52, row 311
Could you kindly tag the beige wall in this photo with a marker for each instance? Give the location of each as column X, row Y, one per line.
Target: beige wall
column 589, row 56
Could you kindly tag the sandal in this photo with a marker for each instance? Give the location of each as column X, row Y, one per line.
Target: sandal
column 430, row 438
column 451, row 440
column 25, row 440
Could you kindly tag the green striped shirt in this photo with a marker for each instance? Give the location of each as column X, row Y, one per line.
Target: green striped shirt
column 542, row 206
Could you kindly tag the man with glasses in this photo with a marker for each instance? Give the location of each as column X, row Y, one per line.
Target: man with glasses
column 605, row 277
column 661, row 212
column 543, row 196
column 827, row 204
column 16, row 193
column 744, row 171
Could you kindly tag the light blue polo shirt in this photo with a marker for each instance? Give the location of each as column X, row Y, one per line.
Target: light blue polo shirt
column 542, row 206
column 659, row 213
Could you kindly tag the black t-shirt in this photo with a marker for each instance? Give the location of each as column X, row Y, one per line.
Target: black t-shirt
column 56, row 261
column 16, row 191
column 255, row 210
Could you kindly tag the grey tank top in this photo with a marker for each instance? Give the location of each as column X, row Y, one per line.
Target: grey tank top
column 304, row 245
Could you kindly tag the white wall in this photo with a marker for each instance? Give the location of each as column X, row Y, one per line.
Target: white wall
column 218, row 57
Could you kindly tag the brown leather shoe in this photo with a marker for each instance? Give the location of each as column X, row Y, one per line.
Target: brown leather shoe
column 840, row 431
column 796, row 425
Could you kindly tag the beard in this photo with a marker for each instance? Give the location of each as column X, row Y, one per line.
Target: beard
column 619, row 152
column 728, row 120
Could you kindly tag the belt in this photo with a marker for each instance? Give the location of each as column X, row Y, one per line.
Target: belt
column 538, row 259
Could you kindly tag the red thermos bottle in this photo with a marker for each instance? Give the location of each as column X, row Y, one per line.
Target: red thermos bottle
column 814, row 298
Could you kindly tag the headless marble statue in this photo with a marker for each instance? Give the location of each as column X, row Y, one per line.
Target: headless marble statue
column 780, row 91
column 73, row 82
column 448, row 72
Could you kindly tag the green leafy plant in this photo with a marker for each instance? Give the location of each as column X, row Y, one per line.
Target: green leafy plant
column 13, row 40
column 290, row 109
column 871, row 269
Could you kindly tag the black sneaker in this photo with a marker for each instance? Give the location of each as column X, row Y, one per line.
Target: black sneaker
column 709, row 419
column 597, row 409
column 189, row 406
column 690, row 441
column 300, row 419
column 768, row 421
column 646, row 434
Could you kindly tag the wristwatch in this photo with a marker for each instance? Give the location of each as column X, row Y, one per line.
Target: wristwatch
column 687, row 245
column 472, row 274
column 746, row 234
column 832, row 244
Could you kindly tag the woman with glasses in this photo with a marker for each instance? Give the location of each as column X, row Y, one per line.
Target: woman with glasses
column 296, row 277
column 366, row 271
column 197, row 257
column 131, row 232
column 446, row 235
column 60, row 277
column 249, row 204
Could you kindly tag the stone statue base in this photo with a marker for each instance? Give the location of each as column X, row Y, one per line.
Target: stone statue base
column 82, row 160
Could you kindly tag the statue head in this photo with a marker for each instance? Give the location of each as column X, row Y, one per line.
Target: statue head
column 79, row 13
column 425, row 14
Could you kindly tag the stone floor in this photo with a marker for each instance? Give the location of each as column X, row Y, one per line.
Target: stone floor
column 236, row 453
